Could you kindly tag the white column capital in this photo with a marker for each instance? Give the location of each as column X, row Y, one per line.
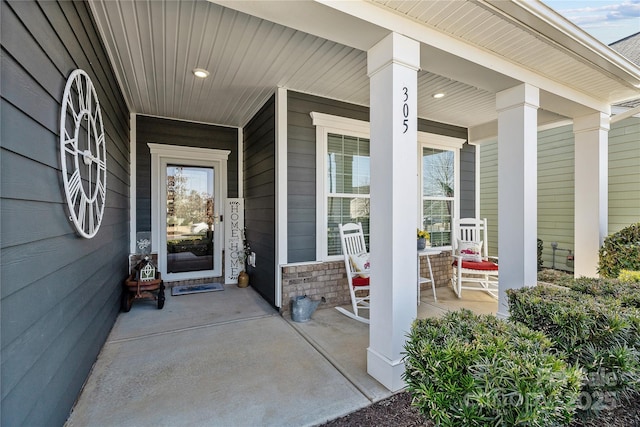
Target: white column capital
column 393, row 49
column 521, row 95
column 591, row 122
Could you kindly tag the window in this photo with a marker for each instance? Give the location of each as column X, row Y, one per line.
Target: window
column 438, row 191
column 439, row 177
column 347, row 186
column 343, row 180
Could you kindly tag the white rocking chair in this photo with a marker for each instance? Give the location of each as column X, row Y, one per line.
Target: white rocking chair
column 356, row 262
column 469, row 242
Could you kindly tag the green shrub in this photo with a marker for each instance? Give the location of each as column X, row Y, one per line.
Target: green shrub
column 540, row 247
column 628, row 294
column 629, row 276
column 599, row 334
column 621, row 251
column 465, row 369
column 556, row 277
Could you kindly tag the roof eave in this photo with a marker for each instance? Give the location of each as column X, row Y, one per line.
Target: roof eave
column 544, row 20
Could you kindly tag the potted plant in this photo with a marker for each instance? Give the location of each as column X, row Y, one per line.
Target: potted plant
column 243, row 277
column 423, row 236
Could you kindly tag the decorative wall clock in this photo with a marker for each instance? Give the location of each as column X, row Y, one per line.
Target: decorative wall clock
column 83, row 154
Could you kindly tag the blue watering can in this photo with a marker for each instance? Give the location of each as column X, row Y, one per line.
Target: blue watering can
column 303, row 307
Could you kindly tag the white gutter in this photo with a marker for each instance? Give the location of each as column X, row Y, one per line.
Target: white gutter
column 380, row 16
column 560, row 31
column 626, row 114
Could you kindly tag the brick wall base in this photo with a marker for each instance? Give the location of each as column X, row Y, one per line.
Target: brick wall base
column 441, row 267
column 329, row 280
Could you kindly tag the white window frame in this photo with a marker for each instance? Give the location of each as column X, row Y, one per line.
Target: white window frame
column 326, row 124
column 446, row 143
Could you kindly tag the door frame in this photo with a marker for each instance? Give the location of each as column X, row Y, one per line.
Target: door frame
column 163, row 155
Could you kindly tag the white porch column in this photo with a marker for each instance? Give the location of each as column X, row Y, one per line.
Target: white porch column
column 517, row 189
column 591, row 192
column 392, row 67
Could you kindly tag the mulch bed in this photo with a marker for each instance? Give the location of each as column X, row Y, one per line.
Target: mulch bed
column 396, row 411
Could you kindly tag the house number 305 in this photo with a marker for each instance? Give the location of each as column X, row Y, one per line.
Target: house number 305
column 405, row 109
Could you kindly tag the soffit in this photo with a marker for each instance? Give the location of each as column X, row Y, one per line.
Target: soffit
column 250, row 48
column 547, row 45
column 155, row 45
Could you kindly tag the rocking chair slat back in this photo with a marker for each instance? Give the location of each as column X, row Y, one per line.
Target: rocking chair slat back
column 353, row 243
column 479, row 276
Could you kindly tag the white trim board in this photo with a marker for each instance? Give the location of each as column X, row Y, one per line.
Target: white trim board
column 133, row 202
column 161, row 155
column 327, row 123
column 282, row 165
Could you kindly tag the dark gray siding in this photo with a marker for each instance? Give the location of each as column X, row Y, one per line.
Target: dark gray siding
column 60, row 292
column 301, row 170
column 442, row 129
column 468, row 181
column 175, row 132
column 260, row 198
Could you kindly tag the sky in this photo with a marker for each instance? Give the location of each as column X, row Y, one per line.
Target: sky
column 606, row 20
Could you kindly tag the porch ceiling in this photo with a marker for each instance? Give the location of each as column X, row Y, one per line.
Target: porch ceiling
column 319, row 47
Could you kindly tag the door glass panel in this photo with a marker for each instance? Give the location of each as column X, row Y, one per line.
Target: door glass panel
column 190, row 215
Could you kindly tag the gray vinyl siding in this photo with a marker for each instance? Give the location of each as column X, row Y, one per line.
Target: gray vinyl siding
column 176, row 132
column 60, row 292
column 556, row 200
column 555, row 191
column 468, row 181
column 259, row 171
column 442, row 129
column 301, row 178
column 624, row 174
column 489, row 192
column 301, row 170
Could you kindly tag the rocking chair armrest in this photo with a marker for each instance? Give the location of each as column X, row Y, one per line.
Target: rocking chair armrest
column 491, row 257
column 457, row 258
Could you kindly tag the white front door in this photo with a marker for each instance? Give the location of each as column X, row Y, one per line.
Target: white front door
column 187, row 196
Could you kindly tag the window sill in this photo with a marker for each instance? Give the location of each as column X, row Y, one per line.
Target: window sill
column 441, row 248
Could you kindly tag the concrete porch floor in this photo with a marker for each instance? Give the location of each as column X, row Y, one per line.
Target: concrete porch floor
column 229, row 359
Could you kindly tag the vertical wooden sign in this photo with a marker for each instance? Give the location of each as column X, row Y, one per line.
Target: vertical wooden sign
column 233, row 240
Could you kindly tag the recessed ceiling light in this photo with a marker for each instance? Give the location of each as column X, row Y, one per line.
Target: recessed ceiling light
column 201, row 73
column 438, row 95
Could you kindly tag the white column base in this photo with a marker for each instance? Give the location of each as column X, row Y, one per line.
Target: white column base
column 387, row 372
